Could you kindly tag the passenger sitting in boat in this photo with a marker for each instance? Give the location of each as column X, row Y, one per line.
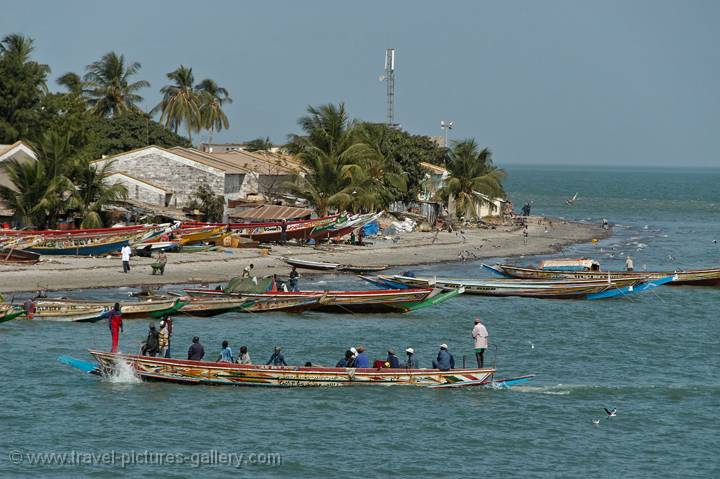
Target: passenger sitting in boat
column 244, row 356
column 196, row 351
column 347, row 361
column 362, row 360
column 226, row 355
column 152, row 343
column 392, row 361
column 411, row 362
column 277, row 359
column 445, row 361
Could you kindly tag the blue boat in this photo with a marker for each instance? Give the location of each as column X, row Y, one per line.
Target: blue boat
column 59, row 247
column 628, row 290
column 383, row 283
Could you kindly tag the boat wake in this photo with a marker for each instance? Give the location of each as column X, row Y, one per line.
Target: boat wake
column 123, row 374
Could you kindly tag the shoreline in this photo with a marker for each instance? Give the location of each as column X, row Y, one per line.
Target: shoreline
column 55, row 273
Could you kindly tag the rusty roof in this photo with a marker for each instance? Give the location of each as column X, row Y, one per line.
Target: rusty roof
column 272, row 212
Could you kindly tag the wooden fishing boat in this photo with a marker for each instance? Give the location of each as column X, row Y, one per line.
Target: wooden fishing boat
column 145, row 308
column 9, row 312
column 374, row 301
column 209, row 306
column 79, row 247
column 77, row 232
column 287, row 305
column 323, row 266
column 201, row 235
column 202, row 372
column 691, row 277
column 272, row 232
column 343, row 227
column 51, row 310
column 558, row 289
column 96, row 369
column 13, row 255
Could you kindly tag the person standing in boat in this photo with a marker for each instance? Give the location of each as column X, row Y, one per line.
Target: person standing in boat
column 244, row 356
column 29, row 308
column 362, row 360
column 445, row 361
column 293, row 281
column 196, row 351
column 480, row 334
column 277, row 359
column 169, row 325
column 411, row 362
column 125, row 253
column 629, row 266
column 152, row 342
column 226, row 355
column 163, row 339
column 115, row 324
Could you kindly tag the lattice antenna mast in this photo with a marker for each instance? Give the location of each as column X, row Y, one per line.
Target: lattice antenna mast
column 389, row 79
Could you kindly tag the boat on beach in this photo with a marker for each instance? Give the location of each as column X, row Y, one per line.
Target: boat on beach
column 555, row 289
column 14, row 255
column 324, row 266
column 210, row 373
column 590, row 269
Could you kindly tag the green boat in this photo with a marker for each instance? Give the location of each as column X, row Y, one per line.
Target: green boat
column 11, row 313
column 432, row 300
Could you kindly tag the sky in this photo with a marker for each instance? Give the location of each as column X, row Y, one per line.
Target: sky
column 575, row 82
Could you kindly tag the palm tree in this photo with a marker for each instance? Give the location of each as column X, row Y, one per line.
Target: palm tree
column 180, row 102
column 93, row 192
column 212, row 98
column 471, row 171
column 18, row 47
column 74, row 84
column 111, row 91
column 327, row 151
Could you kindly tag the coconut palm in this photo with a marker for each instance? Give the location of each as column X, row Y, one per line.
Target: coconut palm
column 74, row 84
column 18, row 47
column 93, row 192
column 471, row 171
column 212, row 99
column 327, row 150
column 110, row 90
column 180, row 103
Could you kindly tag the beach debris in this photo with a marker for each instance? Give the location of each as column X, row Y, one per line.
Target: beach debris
column 610, row 413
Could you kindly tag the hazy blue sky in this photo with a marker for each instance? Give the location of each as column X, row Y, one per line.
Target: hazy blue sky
column 604, row 82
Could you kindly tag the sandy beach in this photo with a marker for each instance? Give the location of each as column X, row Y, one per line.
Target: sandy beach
column 66, row 272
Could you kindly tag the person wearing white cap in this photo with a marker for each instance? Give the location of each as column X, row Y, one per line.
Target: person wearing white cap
column 445, row 361
column 411, row 362
column 480, row 334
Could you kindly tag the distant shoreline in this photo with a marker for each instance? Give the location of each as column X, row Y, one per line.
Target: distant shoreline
column 67, row 272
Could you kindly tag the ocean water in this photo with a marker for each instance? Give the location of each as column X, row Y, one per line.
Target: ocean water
column 654, row 357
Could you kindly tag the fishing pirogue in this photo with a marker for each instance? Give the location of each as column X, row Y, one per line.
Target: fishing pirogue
column 582, row 268
column 202, row 372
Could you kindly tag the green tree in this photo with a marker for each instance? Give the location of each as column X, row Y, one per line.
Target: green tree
column 212, row 99
column 471, row 170
column 211, row 205
column 22, row 86
column 258, row 144
column 327, row 150
column 180, row 103
column 110, row 91
column 93, row 192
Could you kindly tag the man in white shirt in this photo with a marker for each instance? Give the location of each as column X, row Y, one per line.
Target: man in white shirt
column 480, row 335
column 629, row 266
column 125, row 252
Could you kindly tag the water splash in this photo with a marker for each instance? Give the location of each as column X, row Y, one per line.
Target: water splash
column 123, row 374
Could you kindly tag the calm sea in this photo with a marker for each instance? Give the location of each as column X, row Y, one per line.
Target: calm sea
column 654, row 357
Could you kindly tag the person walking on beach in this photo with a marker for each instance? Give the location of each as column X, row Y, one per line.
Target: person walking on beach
column 125, row 254
column 283, row 232
column 480, row 334
column 525, row 234
column 277, row 359
column 629, row 266
column 226, row 355
column 196, row 351
column 116, row 325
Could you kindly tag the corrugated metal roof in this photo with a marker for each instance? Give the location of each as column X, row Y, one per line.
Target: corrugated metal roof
column 273, row 212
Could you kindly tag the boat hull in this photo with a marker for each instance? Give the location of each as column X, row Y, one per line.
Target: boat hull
column 200, row 372
column 81, row 250
column 696, row 277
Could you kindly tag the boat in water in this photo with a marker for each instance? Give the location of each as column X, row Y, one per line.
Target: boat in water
column 582, row 268
column 8, row 312
column 546, row 289
column 211, row 306
column 324, row 266
column 217, row 373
